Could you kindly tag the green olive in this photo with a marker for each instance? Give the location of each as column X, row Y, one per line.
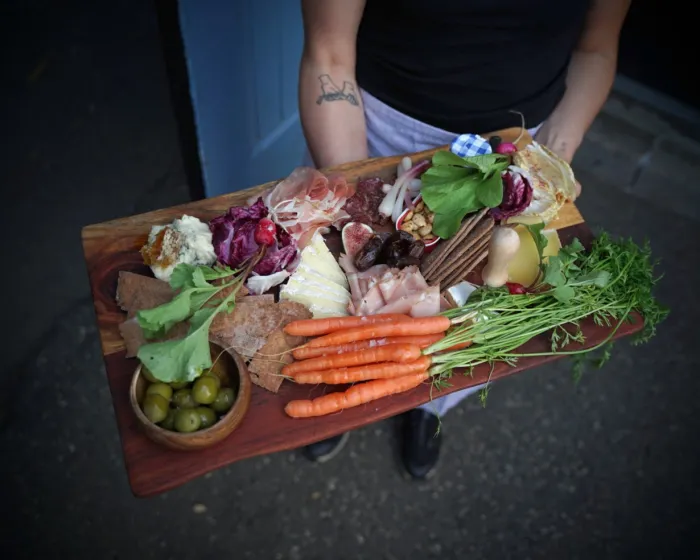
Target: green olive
column 209, row 373
column 205, row 388
column 148, row 375
column 187, row 420
column 179, row 384
column 206, row 415
column 218, row 373
column 169, row 422
column 182, row 398
column 162, row 389
column 155, row 407
column 224, row 400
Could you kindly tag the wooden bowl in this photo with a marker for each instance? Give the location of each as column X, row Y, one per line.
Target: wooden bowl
column 430, row 245
column 233, row 373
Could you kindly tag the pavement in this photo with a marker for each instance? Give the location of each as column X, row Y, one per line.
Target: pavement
column 605, row 468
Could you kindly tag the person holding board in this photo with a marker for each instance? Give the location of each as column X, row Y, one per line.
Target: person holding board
column 387, row 77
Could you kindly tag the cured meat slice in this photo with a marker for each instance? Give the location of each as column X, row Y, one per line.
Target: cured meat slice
column 363, row 206
column 307, row 201
column 381, row 289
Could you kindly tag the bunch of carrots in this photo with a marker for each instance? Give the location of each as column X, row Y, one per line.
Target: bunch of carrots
column 380, row 354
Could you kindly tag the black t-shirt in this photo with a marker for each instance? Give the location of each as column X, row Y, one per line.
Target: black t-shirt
column 461, row 65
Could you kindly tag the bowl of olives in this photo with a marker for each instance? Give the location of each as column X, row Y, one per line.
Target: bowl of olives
column 193, row 415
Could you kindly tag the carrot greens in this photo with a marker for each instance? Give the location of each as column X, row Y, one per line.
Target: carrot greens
column 609, row 283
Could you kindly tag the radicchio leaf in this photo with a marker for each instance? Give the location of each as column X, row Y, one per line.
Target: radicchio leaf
column 233, row 237
column 517, row 195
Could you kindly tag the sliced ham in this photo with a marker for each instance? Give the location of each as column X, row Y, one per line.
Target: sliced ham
column 381, row 289
column 408, row 281
column 412, row 279
column 388, row 284
column 428, row 304
column 355, row 288
column 371, row 302
column 425, row 303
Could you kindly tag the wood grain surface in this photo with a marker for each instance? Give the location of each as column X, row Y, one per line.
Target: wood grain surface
column 114, row 246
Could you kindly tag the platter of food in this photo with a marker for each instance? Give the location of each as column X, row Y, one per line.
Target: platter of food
column 345, row 296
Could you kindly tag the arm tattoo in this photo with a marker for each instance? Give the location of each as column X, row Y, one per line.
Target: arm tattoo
column 331, row 92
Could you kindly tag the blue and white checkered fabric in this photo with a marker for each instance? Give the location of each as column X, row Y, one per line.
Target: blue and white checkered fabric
column 470, row 145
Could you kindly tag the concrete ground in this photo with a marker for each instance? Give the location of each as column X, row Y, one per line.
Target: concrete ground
column 549, row 469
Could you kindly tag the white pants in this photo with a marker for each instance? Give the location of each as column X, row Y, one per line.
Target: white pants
column 391, row 133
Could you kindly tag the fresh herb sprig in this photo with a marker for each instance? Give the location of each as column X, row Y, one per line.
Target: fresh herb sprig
column 198, row 301
column 455, row 186
column 610, row 283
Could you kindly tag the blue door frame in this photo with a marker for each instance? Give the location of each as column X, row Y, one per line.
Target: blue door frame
column 242, row 60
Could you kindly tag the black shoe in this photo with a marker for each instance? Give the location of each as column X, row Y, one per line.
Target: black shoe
column 325, row 450
column 420, row 445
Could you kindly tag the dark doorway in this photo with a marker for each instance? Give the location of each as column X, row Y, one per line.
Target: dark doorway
column 658, row 49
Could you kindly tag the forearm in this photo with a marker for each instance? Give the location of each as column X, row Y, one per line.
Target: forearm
column 589, row 81
column 332, row 115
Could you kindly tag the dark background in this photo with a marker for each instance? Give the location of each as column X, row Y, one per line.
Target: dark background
column 605, row 469
column 659, row 48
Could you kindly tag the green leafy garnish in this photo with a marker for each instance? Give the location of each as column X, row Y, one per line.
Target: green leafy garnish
column 454, row 187
column 194, row 291
column 198, row 301
column 540, row 240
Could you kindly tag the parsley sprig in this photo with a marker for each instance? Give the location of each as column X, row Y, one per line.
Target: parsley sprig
column 610, row 283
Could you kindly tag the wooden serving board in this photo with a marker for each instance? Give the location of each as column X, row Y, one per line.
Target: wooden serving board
column 114, row 246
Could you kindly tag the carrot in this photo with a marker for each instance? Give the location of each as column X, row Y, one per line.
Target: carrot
column 413, row 326
column 383, row 370
column 422, row 341
column 355, row 396
column 317, row 327
column 459, row 346
column 390, row 353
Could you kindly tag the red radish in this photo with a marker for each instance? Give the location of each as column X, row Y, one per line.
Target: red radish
column 355, row 235
column 265, row 232
column 506, row 148
column 516, row 289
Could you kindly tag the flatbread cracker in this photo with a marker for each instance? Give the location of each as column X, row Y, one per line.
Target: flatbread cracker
column 266, row 366
column 133, row 335
column 136, row 292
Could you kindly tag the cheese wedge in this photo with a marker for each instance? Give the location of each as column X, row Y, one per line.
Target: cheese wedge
column 318, row 282
column 316, row 303
column 328, row 289
column 317, row 257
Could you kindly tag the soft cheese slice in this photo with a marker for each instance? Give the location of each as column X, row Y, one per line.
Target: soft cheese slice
column 319, row 312
column 317, row 257
column 318, row 305
column 308, row 275
column 318, row 282
column 329, row 290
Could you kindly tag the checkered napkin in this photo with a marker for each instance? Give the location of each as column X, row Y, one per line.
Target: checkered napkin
column 470, row 145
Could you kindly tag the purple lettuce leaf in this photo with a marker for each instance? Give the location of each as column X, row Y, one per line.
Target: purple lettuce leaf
column 233, row 236
column 517, row 195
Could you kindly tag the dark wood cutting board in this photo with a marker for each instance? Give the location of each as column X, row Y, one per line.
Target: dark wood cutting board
column 114, row 246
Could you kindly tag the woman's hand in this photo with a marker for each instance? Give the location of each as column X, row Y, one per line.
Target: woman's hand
column 557, row 138
column 561, row 141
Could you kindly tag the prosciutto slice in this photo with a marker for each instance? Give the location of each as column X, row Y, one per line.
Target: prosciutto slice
column 307, row 201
